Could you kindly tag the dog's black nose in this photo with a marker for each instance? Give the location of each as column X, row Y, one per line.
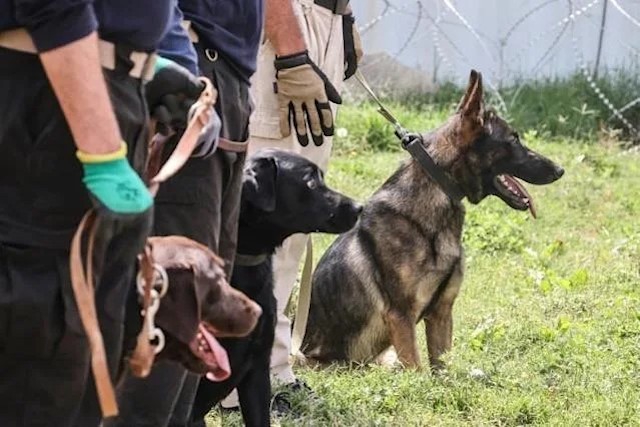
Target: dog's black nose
column 559, row 172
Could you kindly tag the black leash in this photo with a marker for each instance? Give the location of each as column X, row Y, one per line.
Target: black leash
column 414, row 144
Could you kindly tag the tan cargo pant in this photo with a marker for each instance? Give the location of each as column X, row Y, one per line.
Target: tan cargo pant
column 322, row 31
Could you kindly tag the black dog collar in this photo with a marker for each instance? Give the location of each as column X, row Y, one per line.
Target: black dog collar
column 413, row 143
column 250, row 260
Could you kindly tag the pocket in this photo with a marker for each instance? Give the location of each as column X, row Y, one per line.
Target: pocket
column 36, row 307
column 265, row 120
column 191, row 185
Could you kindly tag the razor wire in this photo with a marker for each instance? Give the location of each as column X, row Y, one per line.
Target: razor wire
column 625, row 13
column 423, row 26
column 435, row 37
column 502, row 107
column 594, row 86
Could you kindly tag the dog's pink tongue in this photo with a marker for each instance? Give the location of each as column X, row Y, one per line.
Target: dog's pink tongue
column 525, row 194
column 224, row 370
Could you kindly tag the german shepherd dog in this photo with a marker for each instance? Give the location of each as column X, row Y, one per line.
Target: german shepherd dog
column 403, row 261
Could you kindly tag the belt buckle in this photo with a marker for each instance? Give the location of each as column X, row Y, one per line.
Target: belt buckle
column 340, row 7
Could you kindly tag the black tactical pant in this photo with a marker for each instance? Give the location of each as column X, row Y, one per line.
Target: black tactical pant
column 201, row 202
column 45, row 377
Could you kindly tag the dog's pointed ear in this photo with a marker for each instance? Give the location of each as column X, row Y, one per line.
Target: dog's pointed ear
column 259, row 184
column 472, row 103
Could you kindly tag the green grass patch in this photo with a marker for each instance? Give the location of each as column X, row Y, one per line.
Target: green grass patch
column 552, row 108
column 547, row 326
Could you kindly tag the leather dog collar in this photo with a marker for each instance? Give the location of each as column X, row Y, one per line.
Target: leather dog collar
column 414, row 145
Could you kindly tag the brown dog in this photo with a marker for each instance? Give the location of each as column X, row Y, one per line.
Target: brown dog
column 199, row 306
column 403, row 262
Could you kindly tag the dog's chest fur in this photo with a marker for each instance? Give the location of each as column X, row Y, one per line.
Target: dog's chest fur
column 410, row 234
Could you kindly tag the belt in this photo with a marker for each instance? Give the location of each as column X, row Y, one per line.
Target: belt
column 186, row 24
column 339, row 7
column 233, row 146
column 143, row 62
column 212, row 55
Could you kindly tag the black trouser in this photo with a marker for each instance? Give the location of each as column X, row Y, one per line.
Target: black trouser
column 45, row 377
column 201, row 202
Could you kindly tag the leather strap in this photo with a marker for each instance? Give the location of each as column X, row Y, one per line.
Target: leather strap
column 19, row 39
column 143, row 355
column 304, row 301
column 419, row 153
column 83, row 290
column 242, row 260
column 189, row 139
column 233, row 146
column 414, row 145
column 82, row 284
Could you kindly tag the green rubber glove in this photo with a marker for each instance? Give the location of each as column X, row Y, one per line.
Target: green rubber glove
column 114, row 186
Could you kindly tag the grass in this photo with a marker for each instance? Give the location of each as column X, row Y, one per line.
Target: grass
column 560, row 107
column 547, row 326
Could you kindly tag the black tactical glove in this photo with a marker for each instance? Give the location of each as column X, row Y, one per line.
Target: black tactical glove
column 352, row 45
column 304, row 92
column 170, row 94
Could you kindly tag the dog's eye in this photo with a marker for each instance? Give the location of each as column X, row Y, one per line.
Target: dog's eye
column 312, row 184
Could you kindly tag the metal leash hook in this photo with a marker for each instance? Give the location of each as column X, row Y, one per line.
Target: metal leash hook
column 159, row 287
column 156, row 336
column 400, row 131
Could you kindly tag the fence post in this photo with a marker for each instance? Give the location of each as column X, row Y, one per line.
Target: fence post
column 600, row 38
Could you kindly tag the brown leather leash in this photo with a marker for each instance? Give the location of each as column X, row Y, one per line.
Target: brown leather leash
column 143, row 355
column 82, row 270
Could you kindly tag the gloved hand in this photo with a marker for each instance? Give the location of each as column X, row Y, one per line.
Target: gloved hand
column 170, row 94
column 352, row 45
column 304, row 92
column 115, row 188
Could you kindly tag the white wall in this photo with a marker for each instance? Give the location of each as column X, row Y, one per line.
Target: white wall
column 501, row 55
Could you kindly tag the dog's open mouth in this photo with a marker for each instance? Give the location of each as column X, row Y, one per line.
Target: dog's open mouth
column 211, row 353
column 514, row 193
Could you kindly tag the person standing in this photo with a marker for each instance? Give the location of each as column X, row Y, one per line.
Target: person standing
column 327, row 43
column 202, row 201
column 311, row 46
column 73, row 137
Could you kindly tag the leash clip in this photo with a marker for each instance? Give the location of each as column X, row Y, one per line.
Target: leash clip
column 156, row 336
column 399, row 130
column 158, row 288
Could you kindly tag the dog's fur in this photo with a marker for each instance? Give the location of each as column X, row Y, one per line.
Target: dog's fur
column 198, row 293
column 403, row 262
column 282, row 194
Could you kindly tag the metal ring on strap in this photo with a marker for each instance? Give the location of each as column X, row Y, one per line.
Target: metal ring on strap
column 160, row 280
column 211, row 57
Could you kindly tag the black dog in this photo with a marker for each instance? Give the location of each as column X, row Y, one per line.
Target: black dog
column 283, row 194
